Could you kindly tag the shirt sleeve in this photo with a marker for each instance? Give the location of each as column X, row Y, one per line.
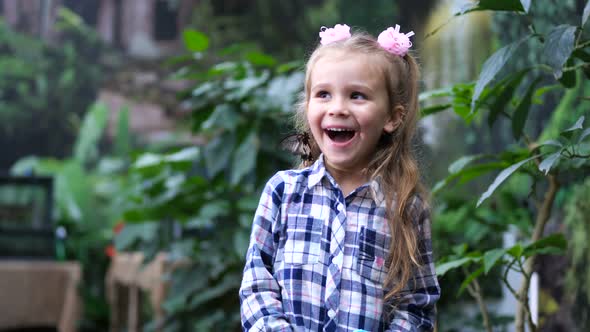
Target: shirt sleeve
column 261, row 308
column 414, row 308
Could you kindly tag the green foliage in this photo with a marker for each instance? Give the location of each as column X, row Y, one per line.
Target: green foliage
column 559, row 155
column 495, row 98
column 45, row 88
column 578, row 276
column 241, row 110
column 491, row 67
column 87, row 192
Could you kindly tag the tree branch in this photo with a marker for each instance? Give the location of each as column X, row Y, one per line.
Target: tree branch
column 505, row 278
column 541, row 221
column 475, row 291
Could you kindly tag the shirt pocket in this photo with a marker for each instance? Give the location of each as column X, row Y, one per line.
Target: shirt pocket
column 304, row 236
column 372, row 255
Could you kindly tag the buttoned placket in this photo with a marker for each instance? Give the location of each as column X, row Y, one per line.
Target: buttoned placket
column 338, row 227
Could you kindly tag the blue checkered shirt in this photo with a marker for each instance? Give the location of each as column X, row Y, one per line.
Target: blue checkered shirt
column 316, row 260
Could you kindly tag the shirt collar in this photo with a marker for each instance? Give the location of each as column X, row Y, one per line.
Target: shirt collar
column 318, row 171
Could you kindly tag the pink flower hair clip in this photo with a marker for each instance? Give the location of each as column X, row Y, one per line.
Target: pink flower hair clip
column 394, row 41
column 338, row 32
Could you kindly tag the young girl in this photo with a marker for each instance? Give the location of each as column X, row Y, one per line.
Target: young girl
column 343, row 244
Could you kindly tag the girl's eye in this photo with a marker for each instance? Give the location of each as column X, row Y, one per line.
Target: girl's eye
column 357, row 95
column 323, row 94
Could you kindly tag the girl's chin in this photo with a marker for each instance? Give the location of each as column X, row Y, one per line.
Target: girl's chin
column 344, row 163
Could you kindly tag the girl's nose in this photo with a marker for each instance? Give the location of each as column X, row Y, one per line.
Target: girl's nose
column 338, row 107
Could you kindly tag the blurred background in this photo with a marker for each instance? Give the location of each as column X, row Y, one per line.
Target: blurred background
column 136, row 136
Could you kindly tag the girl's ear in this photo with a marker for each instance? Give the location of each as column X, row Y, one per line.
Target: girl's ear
column 395, row 120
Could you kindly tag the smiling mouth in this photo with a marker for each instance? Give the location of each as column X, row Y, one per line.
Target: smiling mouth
column 340, row 135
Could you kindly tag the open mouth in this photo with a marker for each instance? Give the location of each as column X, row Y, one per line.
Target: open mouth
column 340, row 135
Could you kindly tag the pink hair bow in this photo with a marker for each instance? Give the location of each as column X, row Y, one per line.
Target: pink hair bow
column 394, row 41
column 338, row 32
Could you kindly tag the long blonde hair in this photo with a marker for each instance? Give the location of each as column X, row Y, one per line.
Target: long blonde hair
column 393, row 164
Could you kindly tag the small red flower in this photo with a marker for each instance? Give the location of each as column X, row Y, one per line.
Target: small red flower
column 110, row 251
column 118, row 227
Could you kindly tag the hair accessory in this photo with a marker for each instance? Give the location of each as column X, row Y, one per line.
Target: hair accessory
column 394, row 41
column 338, row 32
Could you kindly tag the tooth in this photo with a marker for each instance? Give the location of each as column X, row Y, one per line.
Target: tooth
column 339, row 129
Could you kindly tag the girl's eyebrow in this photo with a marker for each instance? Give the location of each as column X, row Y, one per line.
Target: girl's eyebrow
column 320, row 86
column 359, row 86
column 350, row 85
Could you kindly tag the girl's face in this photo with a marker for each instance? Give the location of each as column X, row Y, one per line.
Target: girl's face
column 348, row 109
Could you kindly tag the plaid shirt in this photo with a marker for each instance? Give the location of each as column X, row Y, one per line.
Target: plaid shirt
column 316, row 260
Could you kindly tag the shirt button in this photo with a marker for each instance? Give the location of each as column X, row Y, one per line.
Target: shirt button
column 331, row 313
column 338, row 260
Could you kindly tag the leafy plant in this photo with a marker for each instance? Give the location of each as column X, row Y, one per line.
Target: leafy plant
column 210, row 191
column 87, row 188
column 578, row 276
column 46, row 88
column 549, row 163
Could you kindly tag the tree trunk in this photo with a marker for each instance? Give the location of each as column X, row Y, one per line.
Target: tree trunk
column 11, row 12
column 138, row 18
column 33, row 17
column 106, row 21
column 522, row 313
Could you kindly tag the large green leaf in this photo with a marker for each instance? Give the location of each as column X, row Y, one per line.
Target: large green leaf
column 584, row 134
column 462, row 96
column 184, row 156
column 241, row 240
column 195, row 41
column 498, row 5
column 578, row 125
column 552, row 142
column 227, row 284
column 552, row 244
column 145, row 232
column 491, row 257
column 442, row 268
column 209, row 321
column 569, row 132
column 559, row 45
column 568, row 77
column 217, row 153
column 123, row 140
column 90, row 133
column 516, row 251
column 224, row 116
column 505, row 96
column 501, row 177
column 434, row 109
column 547, row 163
column 522, row 110
column 245, row 158
column 446, row 92
column 492, row 66
column 459, row 164
column 466, row 174
column 214, row 209
column 261, row 59
column 74, row 191
column 244, row 87
column 469, row 279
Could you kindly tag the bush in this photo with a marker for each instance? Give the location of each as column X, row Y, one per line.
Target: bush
column 46, row 88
